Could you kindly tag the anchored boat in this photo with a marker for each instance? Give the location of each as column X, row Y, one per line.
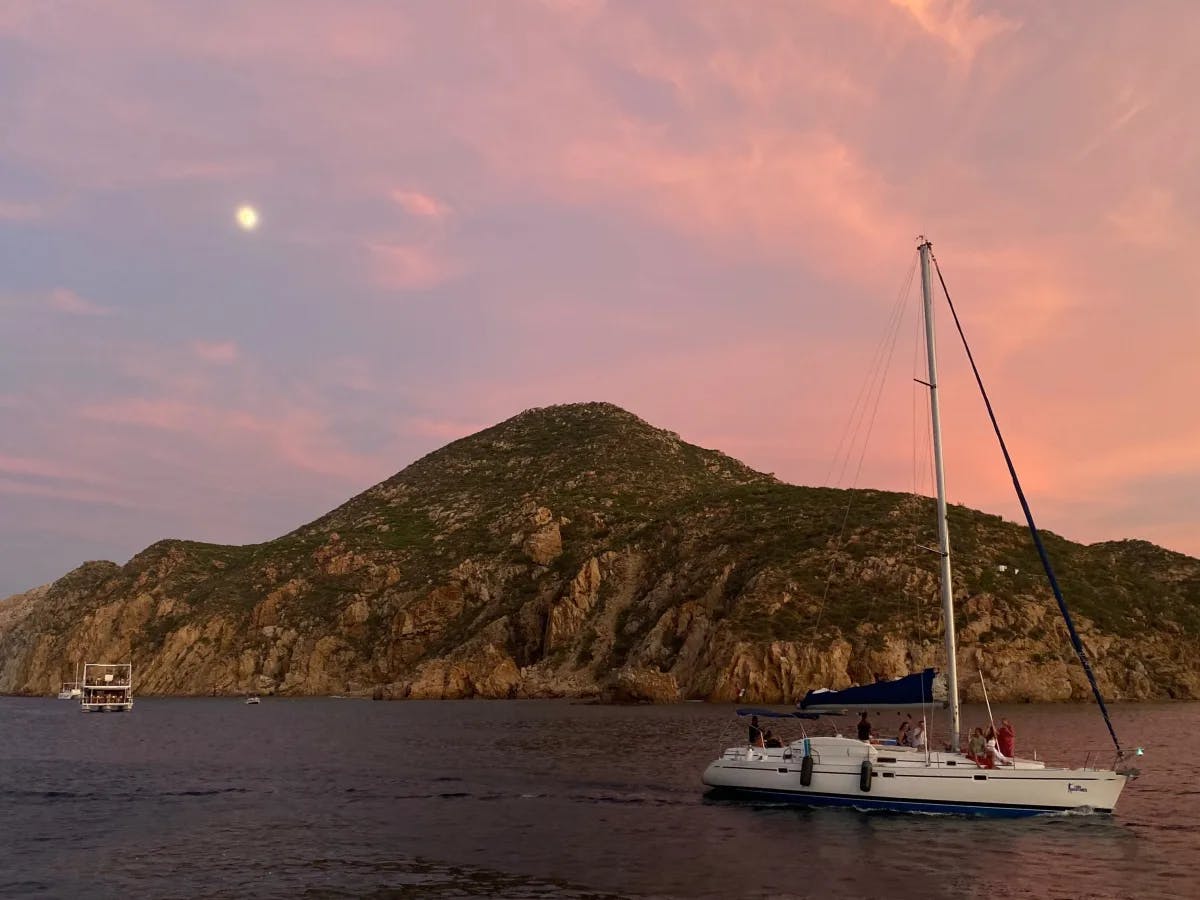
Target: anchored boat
column 844, row 771
column 107, row 687
column 70, row 691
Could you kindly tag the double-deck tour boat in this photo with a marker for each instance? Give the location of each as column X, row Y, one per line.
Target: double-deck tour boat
column 107, row 687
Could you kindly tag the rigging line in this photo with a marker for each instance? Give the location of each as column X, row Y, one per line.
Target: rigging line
column 867, row 440
column 857, row 410
column 879, row 364
column 877, row 381
column 1033, row 529
column 875, row 370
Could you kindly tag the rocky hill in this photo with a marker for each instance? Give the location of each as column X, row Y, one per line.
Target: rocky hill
column 577, row 551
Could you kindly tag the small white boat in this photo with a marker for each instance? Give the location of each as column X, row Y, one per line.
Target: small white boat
column 70, row 691
column 252, row 700
column 106, row 687
column 841, row 771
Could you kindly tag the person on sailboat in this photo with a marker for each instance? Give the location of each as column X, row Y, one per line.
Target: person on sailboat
column 976, row 745
column 992, row 749
column 916, row 737
column 864, row 728
column 902, row 735
column 1006, row 738
column 755, row 735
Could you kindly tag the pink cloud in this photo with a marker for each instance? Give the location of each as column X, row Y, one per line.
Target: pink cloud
column 955, row 24
column 1128, row 105
column 218, row 352
column 67, row 301
column 1150, row 217
column 216, row 168
column 65, row 492
column 408, row 267
column 300, row 437
column 764, row 193
column 11, row 211
column 45, row 468
column 425, row 206
column 443, row 429
column 353, row 373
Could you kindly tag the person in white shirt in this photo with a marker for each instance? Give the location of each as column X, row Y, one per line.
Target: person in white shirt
column 992, row 749
column 916, row 735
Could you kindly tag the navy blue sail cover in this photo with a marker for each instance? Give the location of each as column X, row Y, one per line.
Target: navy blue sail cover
column 911, row 690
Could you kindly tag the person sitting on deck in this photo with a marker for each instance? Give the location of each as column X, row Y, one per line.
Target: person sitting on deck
column 976, row 745
column 772, row 740
column 916, row 736
column 1006, row 739
column 864, row 728
column 992, row 750
column 902, row 736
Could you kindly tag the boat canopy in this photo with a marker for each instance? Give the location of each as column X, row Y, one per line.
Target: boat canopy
column 918, row 689
column 776, row 714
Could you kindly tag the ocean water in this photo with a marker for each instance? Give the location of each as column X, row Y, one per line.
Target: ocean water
column 346, row 798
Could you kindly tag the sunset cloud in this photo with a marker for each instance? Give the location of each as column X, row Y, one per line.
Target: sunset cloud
column 47, row 469
column 295, row 436
column 12, row 211
column 956, row 24
column 421, row 205
column 216, row 352
column 1151, row 218
column 67, row 301
column 71, row 493
column 408, row 267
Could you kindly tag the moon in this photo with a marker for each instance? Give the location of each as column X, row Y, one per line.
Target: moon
column 247, row 218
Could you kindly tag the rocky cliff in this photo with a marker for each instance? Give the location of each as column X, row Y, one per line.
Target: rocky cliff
column 577, row 551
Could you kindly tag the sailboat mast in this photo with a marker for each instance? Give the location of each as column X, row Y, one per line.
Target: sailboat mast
column 926, row 249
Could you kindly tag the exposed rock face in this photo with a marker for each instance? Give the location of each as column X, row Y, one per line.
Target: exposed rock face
column 630, row 684
column 545, row 544
column 576, row 551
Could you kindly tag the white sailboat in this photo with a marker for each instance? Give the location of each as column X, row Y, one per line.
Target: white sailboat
column 842, row 771
column 70, row 691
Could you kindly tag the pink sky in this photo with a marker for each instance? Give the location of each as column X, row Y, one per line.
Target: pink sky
column 699, row 211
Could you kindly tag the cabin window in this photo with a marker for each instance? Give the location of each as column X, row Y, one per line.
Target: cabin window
column 981, row 778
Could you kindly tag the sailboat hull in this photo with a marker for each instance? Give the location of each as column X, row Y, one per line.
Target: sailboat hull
column 902, row 780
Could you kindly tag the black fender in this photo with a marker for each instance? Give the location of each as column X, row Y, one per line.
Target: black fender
column 806, row 769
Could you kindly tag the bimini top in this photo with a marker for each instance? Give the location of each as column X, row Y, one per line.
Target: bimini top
column 776, row 714
column 918, row 689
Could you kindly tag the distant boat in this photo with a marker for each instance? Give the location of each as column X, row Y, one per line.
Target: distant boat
column 869, row 774
column 107, row 687
column 252, row 700
column 70, row 691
